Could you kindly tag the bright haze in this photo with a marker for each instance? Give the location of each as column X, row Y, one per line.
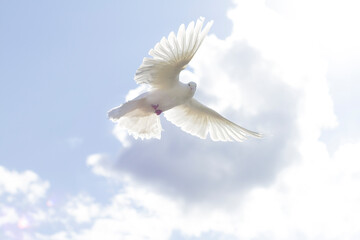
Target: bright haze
column 287, row 69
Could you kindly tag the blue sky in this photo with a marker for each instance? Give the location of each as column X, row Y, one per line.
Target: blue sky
column 65, row 175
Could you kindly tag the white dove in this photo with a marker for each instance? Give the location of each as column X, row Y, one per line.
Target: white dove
column 140, row 116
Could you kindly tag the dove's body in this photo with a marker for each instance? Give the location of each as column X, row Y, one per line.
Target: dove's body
column 170, row 56
column 169, row 98
column 156, row 99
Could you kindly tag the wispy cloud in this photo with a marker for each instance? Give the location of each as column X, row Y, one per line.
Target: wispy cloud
column 74, row 142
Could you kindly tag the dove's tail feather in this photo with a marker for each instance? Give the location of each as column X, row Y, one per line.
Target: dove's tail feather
column 138, row 121
column 144, row 127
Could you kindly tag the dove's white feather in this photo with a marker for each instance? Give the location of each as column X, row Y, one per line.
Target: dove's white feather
column 144, row 127
column 137, row 118
column 171, row 55
column 199, row 120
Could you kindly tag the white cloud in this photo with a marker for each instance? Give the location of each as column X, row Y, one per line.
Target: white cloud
column 137, row 213
column 122, row 135
column 101, row 165
column 82, row 208
column 63, row 235
column 316, row 198
column 26, row 183
column 8, row 215
column 20, row 203
column 329, row 27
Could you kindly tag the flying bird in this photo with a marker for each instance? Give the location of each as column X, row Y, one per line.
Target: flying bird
column 140, row 116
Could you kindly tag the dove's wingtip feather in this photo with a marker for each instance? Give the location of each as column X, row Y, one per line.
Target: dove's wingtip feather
column 252, row 133
column 258, row 135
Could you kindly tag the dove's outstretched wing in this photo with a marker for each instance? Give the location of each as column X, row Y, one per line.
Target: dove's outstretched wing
column 199, row 120
column 171, row 55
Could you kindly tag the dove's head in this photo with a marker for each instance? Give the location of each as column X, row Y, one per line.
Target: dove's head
column 192, row 87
